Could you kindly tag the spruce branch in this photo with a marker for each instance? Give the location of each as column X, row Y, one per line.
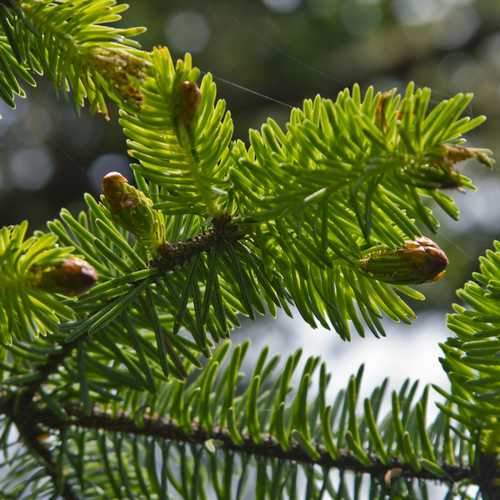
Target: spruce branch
column 318, row 194
column 267, row 418
column 325, row 214
column 181, row 135
column 74, row 44
column 170, row 256
column 269, row 448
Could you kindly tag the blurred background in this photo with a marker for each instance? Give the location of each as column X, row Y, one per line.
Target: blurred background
column 268, row 55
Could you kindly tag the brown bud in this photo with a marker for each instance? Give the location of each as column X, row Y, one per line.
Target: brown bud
column 417, row 261
column 72, row 277
column 190, row 97
column 114, row 189
column 455, row 154
column 380, row 111
column 124, row 71
column 133, row 210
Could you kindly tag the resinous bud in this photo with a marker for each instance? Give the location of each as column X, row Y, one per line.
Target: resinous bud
column 417, row 261
column 454, row 154
column 124, row 71
column 441, row 172
column 132, row 209
column 189, row 100
column 72, row 277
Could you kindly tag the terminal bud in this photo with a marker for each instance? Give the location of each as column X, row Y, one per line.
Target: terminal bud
column 72, row 277
column 454, row 154
column 132, row 209
column 417, row 261
column 189, row 100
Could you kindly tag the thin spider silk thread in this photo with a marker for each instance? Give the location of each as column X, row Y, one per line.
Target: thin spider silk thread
column 249, row 90
column 280, row 47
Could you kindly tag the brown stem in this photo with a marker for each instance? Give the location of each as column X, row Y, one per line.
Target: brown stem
column 172, row 255
column 268, row 448
column 488, row 476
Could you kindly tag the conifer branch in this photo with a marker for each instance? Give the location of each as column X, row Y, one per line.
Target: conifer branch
column 158, row 428
column 324, row 214
column 170, row 256
column 76, row 45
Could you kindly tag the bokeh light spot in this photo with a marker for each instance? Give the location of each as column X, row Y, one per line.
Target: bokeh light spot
column 187, row 31
column 461, row 24
column 492, row 50
column 282, row 6
column 361, row 20
column 31, row 169
column 415, row 12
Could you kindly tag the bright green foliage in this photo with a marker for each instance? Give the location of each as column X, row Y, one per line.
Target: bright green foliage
column 370, row 154
column 26, row 311
column 71, row 42
column 471, row 357
column 275, row 406
column 343, row 177
column 205, row 296
column 300, row 193
column 11, row 72
column 124, row 278
column 189, row 160
column 133, row 383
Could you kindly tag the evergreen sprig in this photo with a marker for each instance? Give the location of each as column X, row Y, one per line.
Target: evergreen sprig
column 115, row 376
column 471, row 359
column 345, row 177
column 181, row 136
column 26, row 309
column 266, row 416
column 72, row 43
column 277, row 188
